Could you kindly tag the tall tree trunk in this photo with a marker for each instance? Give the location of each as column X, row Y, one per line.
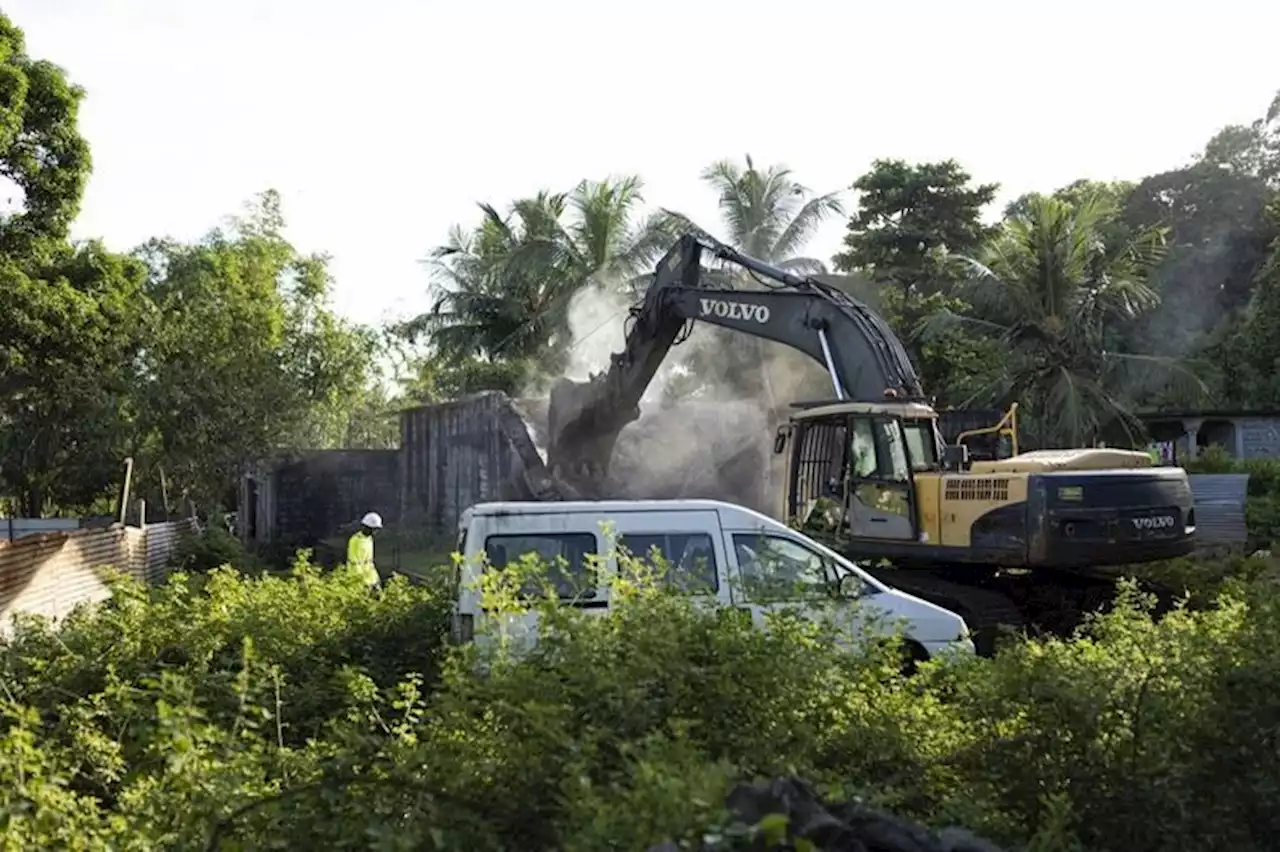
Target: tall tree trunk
column 32, row 501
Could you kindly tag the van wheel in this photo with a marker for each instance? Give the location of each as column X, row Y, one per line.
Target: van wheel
column 911, row 654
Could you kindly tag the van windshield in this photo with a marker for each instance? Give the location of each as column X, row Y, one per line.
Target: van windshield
column 844, row 566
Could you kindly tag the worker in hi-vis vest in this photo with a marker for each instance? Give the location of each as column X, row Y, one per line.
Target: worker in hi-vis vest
column 360, row 548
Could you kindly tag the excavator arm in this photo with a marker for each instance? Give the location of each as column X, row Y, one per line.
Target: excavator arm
column 863, row 357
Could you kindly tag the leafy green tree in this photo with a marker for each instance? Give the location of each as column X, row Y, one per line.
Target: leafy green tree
column 911, row 223
column 439, row 379
column 1053, row 294
column 1251, row 150
column 247, row 357
column 41, row 149
column 71, row 314
column 1218, row 237
column 73, row 332
column 1251, row 358
column 910, row 220
column 360, row 414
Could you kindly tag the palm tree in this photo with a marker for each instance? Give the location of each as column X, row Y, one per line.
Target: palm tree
column 601, row 243
column 769, row 215
column 1055, row 295
column 503, row 291
column 478, row 312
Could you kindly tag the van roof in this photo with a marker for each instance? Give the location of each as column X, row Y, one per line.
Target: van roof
column 732, row 510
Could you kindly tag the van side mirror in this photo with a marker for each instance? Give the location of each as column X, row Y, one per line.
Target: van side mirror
column 780, row 439
column 955, row 456
column 851, row 586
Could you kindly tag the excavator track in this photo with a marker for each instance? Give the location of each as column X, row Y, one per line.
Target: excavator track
column 988, row 613
column 1039, row 603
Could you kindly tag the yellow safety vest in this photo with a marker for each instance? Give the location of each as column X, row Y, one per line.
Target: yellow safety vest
column 360, row 555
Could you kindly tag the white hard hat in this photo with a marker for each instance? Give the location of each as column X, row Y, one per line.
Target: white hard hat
column 372, row 520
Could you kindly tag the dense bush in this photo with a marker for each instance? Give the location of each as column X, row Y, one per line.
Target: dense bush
column 213, row 547
column 303, row 711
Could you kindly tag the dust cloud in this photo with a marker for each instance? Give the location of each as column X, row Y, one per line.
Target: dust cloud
column 707, row 420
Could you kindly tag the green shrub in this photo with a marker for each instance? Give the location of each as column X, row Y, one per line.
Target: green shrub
column 213, row 547
column 301, row 711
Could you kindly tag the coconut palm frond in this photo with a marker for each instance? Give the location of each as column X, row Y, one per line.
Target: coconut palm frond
column 805, row 222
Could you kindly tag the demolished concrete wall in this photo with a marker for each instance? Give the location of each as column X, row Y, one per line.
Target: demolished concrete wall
column 456, row 454
column 695, row 449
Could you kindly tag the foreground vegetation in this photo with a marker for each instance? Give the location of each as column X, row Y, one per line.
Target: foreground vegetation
column 298, row 711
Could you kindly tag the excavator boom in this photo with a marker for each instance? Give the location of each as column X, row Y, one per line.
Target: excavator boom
column 863, row 357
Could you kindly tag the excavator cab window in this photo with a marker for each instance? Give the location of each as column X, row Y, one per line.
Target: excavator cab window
column 862, row 450
column 877, row 449
column 921, row 444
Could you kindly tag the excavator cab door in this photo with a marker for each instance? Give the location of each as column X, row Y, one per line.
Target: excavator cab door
column 880, row 495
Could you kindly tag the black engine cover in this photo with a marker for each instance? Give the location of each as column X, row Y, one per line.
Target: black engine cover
column 1108, row 517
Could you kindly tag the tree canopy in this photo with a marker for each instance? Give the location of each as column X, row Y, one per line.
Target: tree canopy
column 1113, row 297
column 191, row 359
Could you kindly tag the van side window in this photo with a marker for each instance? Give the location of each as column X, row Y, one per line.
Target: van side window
column 690, row 558
column 565, row 554
column 780, row 569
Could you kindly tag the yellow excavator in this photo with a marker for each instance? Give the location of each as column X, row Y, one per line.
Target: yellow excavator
column 868, row 470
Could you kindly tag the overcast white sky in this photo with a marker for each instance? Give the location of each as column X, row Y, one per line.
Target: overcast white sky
column 382, row 122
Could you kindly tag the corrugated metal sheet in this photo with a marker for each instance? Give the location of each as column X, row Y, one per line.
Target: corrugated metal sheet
column 160, row 543
column 49, row 574
column 1220, row 507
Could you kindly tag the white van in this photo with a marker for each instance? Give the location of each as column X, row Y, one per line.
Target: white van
column 713, row 549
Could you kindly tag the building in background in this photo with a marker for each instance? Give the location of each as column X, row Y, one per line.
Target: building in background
column 1243, row 434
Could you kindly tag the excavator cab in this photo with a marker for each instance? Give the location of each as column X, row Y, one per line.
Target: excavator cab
column 854, row 468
